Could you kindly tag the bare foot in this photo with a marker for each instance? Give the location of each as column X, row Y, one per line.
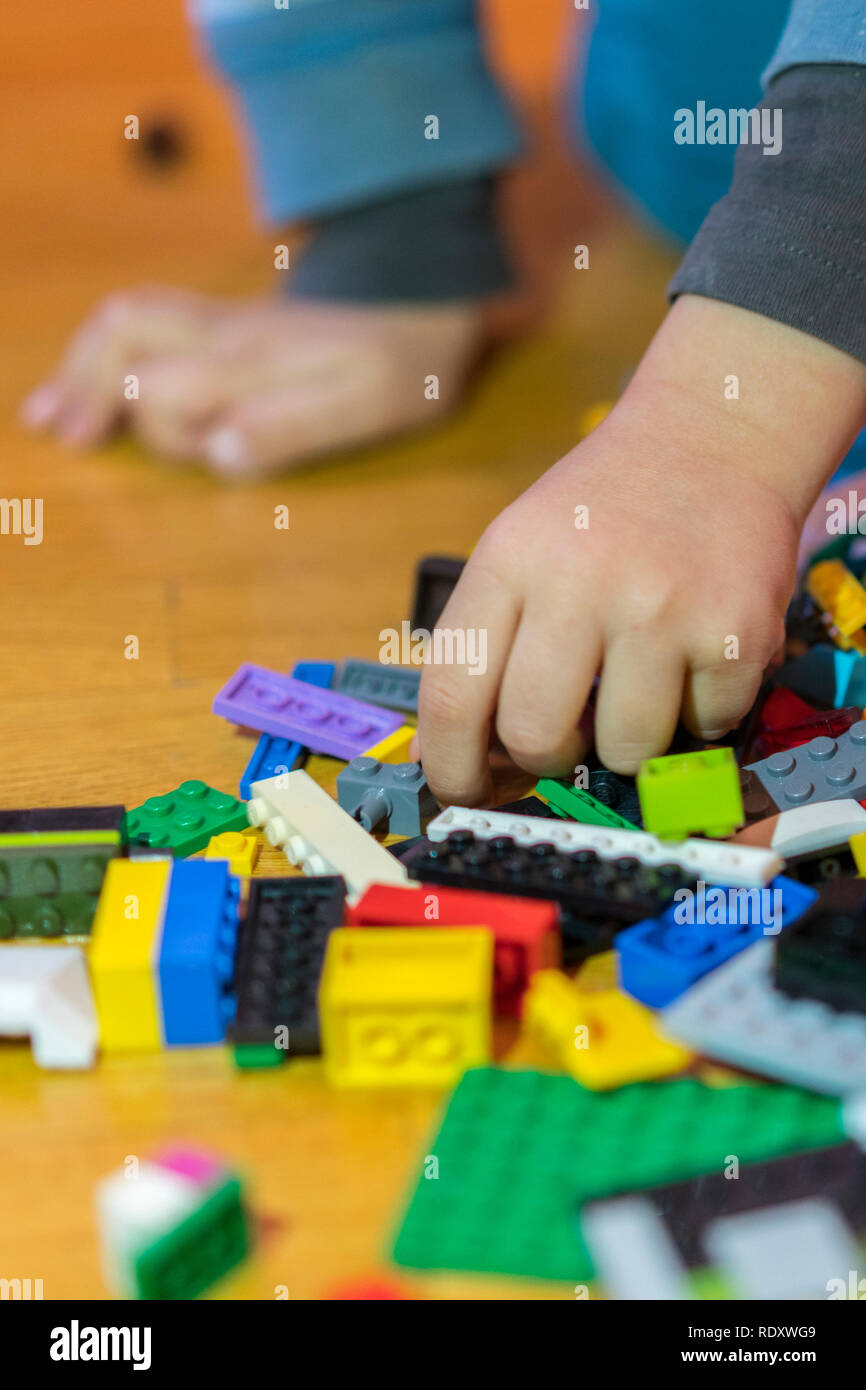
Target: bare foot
column 250, row 387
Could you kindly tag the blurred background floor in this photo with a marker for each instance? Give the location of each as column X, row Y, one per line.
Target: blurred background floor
column 199, row 574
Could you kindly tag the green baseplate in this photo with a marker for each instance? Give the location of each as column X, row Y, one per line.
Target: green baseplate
column 519, row 1153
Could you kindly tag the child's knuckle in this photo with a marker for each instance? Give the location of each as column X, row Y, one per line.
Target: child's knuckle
column 441, row 705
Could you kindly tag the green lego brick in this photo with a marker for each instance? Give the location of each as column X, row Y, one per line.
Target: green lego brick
column 62, row 914
column 185, row 819
column 192, row 1257
column 51, row 890
column 837, row 549
column 686, row 793
column 710, row 1285
column 59, row 868
column 519, row 1152
column 256, row 1055
column 573, row 803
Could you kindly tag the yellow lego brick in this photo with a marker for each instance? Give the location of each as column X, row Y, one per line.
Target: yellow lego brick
column 592, row 417
column 239, row 847
column 842, row 597
column 124, row 954
column 394, row 748
column 597, row 972
column 602, row 1038
column 857, row 845
column 405, row 1006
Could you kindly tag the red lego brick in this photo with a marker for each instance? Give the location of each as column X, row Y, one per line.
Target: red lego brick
column 782, row 708
column 525, row 930
column 831, row 723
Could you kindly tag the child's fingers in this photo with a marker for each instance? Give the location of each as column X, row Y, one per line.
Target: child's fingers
column 716, row 696
column 89, row 383
column 545, row 688
column 457, row 702
column 39, row 409
column 275, row 429
column 179, row 398
column 638, row 702
column 89, row 389
column 88, row 419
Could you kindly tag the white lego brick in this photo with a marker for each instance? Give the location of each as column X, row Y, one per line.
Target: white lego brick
column 736, row 1015
column 854, row 1118
column 45, row 995
column 806, row 829
column 714, row 861
column 632, row 1251
column 318, row 836
column 133, row 1209
column 788, row 1251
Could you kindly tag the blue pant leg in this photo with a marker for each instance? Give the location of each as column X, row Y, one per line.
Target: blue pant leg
column 646, row 60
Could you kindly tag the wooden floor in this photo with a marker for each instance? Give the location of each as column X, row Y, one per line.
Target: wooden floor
column 199, row 574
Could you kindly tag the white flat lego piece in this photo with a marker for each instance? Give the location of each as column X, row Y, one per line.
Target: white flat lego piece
column 789, row 1251
column 45, row 995
column 714, row 861
column 318, row 836
column 633, row 1254
column 806, row 829
column 854, row 1118
column 736, row 1015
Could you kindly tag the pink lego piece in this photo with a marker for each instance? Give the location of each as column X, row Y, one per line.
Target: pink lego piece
column 201, row 1168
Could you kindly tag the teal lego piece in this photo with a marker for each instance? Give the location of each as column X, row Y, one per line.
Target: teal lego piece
column 518, row 1152
column 573, row 803
column 685, row 794
column 199, row 1251
column 185, row 819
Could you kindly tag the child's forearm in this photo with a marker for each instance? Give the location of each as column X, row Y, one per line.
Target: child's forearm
column 787, row 405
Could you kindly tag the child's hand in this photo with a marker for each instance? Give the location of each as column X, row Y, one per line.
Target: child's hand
column 676, row 589
column 247, row 387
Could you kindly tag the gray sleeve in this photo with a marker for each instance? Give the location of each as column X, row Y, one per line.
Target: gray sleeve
column 430, row 246
column 789, row 238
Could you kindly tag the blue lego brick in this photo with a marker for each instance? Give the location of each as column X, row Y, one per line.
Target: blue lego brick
column 815, row 675
column 196, row 959
column 659, row 959
column 272, row 754
column 850, row 670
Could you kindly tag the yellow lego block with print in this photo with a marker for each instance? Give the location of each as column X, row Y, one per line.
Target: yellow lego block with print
column 603, row 1038
column 843, row 599
column 124, row 954
column 402, row 1006
column 239, row 847
column 394, row 748
column 857, row 846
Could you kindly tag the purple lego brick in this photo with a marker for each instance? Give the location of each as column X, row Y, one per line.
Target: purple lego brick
column 322, row 720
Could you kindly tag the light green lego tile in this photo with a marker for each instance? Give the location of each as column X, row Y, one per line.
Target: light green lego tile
column 682, row 794
column 60, row 837
column 574, row 803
